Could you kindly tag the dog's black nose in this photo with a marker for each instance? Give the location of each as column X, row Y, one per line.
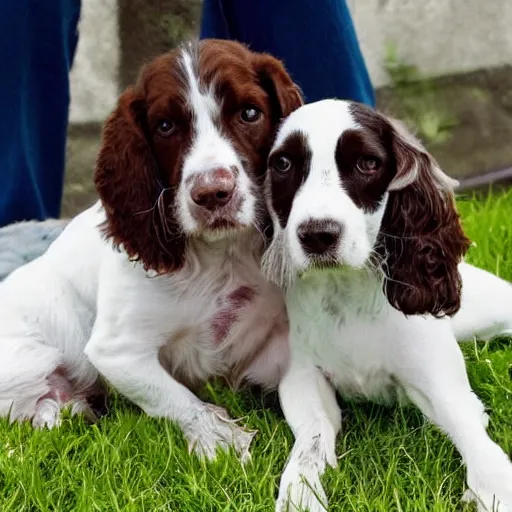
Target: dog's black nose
column 320, row 237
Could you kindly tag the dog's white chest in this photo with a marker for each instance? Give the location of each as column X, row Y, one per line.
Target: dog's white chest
column 343, row 333
column 228, row 324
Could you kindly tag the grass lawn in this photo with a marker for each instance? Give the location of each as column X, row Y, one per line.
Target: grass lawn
column 390, row 459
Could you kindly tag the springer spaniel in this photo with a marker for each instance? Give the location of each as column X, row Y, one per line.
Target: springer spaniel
column 367, row 243
column 175, row 295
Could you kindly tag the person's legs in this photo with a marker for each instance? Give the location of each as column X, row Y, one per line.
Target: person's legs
column 37, row 44
column 316, row 41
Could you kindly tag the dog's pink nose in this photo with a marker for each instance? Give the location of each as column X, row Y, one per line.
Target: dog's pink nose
column 213, row 189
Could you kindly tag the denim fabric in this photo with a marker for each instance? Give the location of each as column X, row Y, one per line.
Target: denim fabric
column 316, row 40
column 38, row 39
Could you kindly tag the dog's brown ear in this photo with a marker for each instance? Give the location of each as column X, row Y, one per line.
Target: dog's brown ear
column 285, row 95
column 130, row 188
column 421, row 241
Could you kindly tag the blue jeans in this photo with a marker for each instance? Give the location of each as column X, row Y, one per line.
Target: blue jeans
column 316, row 41
column 37, row 44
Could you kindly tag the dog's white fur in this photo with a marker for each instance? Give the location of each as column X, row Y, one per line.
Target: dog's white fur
column 345, row 335
column 84, row 309
column 210, row 150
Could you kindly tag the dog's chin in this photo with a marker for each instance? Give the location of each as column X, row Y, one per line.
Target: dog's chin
column 322, row 265
column 223, row 223
column 318, row 267
column 332, row 265
column 222, row 231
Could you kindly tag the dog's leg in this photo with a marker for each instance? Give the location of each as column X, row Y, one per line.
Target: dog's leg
column 132, row 367
column 430, row 367
column 61, row 394
column 34, row 385
column 310, row 407
column 486, row 307
column 26, row 366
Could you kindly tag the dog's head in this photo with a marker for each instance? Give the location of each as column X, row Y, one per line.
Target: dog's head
column 185, row 151
column 347, row 186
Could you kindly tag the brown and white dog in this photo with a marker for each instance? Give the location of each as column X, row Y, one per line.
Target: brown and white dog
column 174, row 295
column 368, row 245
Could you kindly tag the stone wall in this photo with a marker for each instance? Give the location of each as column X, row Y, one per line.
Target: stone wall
column 95, row 73
column 439, row 36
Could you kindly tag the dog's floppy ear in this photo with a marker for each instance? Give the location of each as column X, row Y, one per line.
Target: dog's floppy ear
column 421, row 241
column 285, row 96
column 128, row 182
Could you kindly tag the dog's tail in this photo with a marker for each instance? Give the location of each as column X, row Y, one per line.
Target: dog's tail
column 25, row 241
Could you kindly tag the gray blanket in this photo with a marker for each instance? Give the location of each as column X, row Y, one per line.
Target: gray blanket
column 24, row 241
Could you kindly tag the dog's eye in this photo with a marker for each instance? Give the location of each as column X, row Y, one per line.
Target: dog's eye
column 368, row 164
column 165, row 128
column 250, row 114
column 282, row 164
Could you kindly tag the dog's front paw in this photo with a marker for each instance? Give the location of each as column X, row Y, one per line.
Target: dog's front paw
column 215, row 429
column 490, row 484
column 300, row 490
